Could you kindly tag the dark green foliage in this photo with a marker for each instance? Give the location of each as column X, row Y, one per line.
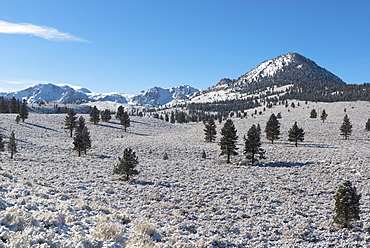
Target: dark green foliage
column 79, row 143
column 367, row 125
column 105, row 115
column 346, row 128
column 125, row 120
column 81, row 140
column 70, row 121
column 119, row 113
column 23, row 111
column 165, row 156
column 272, row 128
column 313, row 113
column 2, row 147
column 4, row 105
column 172, row 117
column 127, row 164
column 12, row 145
column 210, row 130
column 80, row 124
column 278, row 116
column 13, row 106
column 323, row 115
column 204, row 155
column 17, row 119
column 94, row 115
column 296, row 134
column 86, row 139
column 347, row 205
column 252, row 148
column 228, row 140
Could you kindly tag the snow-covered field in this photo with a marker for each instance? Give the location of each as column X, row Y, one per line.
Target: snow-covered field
column 52, row 198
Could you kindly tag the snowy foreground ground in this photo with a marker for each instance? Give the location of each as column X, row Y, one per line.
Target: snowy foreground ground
column 52, row 198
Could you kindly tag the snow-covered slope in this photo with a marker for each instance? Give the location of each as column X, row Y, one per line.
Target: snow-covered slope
column 158, row 96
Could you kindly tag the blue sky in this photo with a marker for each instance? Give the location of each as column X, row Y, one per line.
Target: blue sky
column 129, row 46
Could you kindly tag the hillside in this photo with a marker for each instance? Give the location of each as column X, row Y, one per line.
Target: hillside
column 50, row 197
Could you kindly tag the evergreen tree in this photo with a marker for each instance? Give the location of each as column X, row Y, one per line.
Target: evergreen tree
column 13, row 106
column 70, row 121
column 278, row 116
column 272, row 128
column 119, row 113
column 105, row 115
column 79, row 143
column 172, row 117
column 23, row 111
column 324, row 115
column 204, row 155
column 296, row 134
column 125, row 120
column 347, row 205
column 2, row 147
column 17, row 119
column 4, row 106
column 165, row 156
column 86, row 139
column 346, row 128
column 94, row 115
column 253, row 145
column 12, row 145
column 127, row 164
column 228, row 140
column 313, row 113
column 80, row 124
column 210, row 130
column 367, row 125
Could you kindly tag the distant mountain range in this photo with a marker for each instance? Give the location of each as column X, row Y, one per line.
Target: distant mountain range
column 69, row 94
column 288, row 76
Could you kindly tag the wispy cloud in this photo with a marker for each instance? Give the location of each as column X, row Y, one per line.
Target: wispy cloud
column 15, row 85
column 44, row 32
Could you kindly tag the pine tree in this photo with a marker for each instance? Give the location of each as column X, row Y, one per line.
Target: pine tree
column 165, row 156
column 204, row 155
column 324, row 115
column 86, row 139
column 80, row 124
column 313, row 113
column 346, row 128
column 127, row 164
column 105, row 115
column 367, row 125
column 17, row 119
column 296, row 134
column 94, row 115
column 172, row 117
column 347, row 205
column 2, row 147
column 125, row 120
column 253, row 145
column 210, row 130
column 119, row 113
column 12, row 145
column 272, row 128
column 70, row 121
column 79, row 143
column 13, row 106
column 23, row 111
column 228, row 140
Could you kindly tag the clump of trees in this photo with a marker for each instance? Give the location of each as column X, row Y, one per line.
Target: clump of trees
column 127, row 165
column 347, row 205
column 228, row 140
column 105, row 115
column 94, row 115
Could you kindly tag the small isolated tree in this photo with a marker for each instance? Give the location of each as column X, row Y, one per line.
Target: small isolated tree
column 323, row 115
column 17, row 119
column 127, row 164
column 12, row 145
column 296, row 134
column 272, row 128
column 204, row 155
column 165, row 156
column 252, row 146
column 347, row 205
column 125, row 120
column 105, row 115
column 2, row 147
column 70, row 121
column 367, row 125
column 210, row 130
column 23, row 111
column 94, row 115
column 346, row 128
column 228, row 140
column 313, row 113
column 119, row 113
column 278, row 116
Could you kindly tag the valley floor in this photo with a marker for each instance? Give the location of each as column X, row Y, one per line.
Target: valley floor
column 52, row 198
